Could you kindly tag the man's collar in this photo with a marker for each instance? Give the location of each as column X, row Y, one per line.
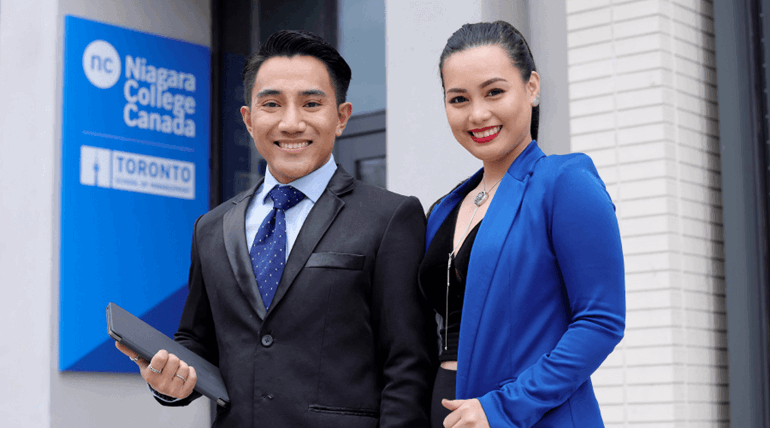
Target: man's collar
column 311, row 185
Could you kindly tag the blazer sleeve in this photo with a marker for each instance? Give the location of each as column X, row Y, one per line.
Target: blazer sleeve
column 586, row 240
column 402, row 321
column 196, row 327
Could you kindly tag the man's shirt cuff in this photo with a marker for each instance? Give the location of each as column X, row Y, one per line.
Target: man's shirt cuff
column 163, row 397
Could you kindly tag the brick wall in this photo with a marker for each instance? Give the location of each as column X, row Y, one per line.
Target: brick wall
column 643, row 105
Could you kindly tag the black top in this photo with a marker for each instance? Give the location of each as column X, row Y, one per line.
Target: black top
column 434, row 277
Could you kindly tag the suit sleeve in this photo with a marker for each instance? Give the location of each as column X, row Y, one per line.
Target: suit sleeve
column 586, row 241
column 402, row 321
column 196, row 327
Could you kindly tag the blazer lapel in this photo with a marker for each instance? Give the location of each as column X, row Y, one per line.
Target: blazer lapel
column 313, row 229
column 486, row 252
column 446, row 205
column 234, row 224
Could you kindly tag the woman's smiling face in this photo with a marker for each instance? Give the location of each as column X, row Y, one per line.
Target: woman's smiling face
column 488, row 105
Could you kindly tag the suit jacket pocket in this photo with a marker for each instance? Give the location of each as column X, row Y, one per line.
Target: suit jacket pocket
column 336, row 261
column 371, row 413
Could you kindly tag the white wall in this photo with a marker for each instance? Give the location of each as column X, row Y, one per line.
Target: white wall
column 514, row 12
column 548, row 41
column 643, row 106
column 188, row 20
column 35, row 393
column 424, row 159
column 29, row 164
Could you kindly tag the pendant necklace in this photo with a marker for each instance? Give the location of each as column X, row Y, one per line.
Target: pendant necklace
column 479, row 200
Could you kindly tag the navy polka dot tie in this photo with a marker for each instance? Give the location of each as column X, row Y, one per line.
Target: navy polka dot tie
column 268, row 252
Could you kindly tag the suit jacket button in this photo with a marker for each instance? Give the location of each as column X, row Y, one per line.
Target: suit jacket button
column 267, row 341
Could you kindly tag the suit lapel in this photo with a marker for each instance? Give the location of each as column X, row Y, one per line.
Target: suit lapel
column 486, row 253
column 313, row 229
column 234, row 224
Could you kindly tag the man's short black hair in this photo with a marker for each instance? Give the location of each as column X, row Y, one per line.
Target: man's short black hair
column 290, row 43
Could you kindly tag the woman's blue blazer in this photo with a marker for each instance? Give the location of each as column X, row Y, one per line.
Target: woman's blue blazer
column 545, row 295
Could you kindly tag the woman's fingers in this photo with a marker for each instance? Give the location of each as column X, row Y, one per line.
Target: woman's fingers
column 465, row 414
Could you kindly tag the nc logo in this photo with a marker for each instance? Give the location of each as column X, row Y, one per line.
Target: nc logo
column 101, row 64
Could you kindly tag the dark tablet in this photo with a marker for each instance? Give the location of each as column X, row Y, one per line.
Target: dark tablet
column 146, row 341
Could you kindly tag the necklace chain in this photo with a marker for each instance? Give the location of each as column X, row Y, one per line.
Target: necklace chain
column 479, row 200
column 483, row 196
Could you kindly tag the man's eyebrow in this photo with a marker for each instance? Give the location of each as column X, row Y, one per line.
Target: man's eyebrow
column 305, row 93
column 268, row 92
column 310, row 92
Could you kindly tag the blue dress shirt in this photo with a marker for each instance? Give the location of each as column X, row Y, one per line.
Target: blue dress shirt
column 311, row 185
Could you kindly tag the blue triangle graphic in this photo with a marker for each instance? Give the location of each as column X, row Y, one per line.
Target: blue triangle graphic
column 106, row 358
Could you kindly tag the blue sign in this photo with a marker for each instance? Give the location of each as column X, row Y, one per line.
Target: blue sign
column 135, row 176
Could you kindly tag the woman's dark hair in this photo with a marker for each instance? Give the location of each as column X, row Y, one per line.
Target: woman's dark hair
column 499, row 33
column 290, row 43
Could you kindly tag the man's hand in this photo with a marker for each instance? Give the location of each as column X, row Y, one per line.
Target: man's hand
column 465, row 414
column 166, row 373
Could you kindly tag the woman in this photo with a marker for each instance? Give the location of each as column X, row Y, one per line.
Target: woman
column 523, row 260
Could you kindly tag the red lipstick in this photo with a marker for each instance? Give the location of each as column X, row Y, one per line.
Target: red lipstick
column 485, row 139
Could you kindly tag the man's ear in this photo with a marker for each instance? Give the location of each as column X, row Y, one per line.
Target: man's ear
column 246, row 114
column 343, row 115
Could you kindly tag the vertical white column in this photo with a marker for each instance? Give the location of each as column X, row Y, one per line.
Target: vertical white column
column 29, row 172
column 423, row 157
column 643, row 106
column 548, row 40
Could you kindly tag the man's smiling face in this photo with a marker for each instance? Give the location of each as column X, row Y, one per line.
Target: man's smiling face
column 294, row 117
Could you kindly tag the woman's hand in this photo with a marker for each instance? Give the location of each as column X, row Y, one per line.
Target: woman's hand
column 465, row 414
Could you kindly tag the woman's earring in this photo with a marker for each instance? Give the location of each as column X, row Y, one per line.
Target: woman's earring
column 537, row 101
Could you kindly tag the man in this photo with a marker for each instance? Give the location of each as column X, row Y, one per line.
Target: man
column 334, row 334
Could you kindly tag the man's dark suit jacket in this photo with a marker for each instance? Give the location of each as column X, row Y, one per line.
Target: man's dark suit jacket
column 344, row 343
